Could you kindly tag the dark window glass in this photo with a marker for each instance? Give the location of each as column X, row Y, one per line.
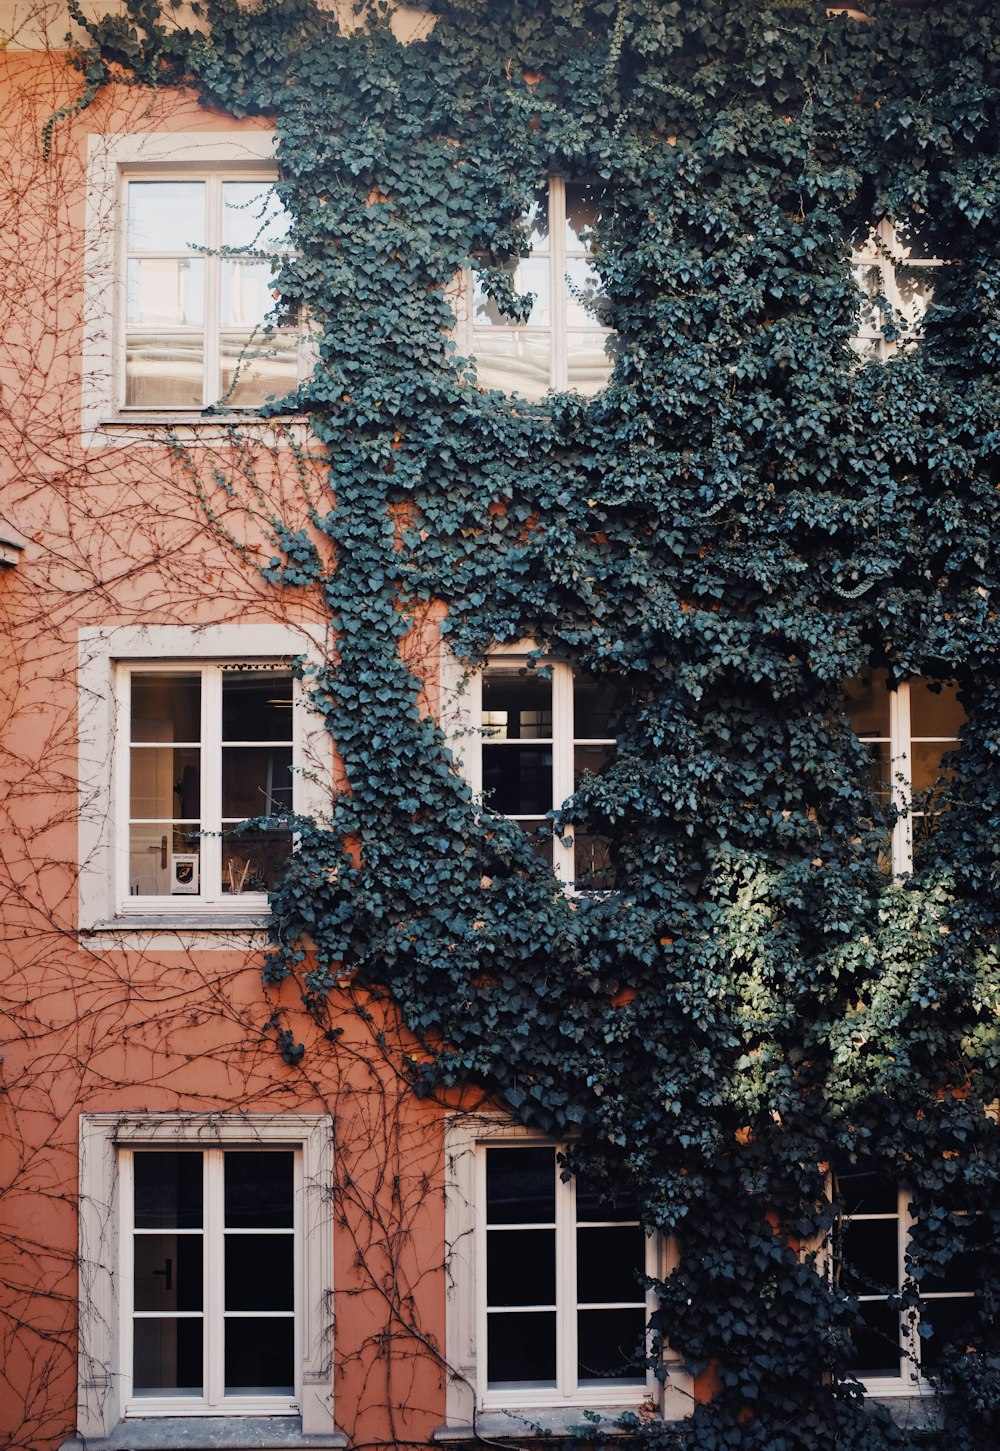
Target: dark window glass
column 166, row 707
column 168, row 1357
column 522, row 1348
column 949, row 1323
column 609, row 1344
column 608, row 1264
column 521, row 1267
column 258, row 1190
column 259, row 1356
column 870, row 1250
column 257, row 705
column 259, row 1273
column 168, row 1272
column 876, row 1343
column 594, row 707
column 517, row 780
column 521, row 1185
column 590, row 1207
column 168, row 1189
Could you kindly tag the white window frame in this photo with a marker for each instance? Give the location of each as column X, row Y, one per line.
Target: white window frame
column 462, row 720
column 104, row 902
column 113, row 159
column 910, row 1381
column 900, row 742
column 884, row 251
column 558, row 328
column 470, row 1401
column 105, row 1279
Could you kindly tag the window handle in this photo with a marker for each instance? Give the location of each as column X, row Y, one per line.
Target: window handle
column 163, row 865
column 167, row 1273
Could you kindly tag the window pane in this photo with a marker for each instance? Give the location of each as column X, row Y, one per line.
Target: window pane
column 252, row 861
column 168, row 1272
column 870, row 1263
column 586, row 302
column 163, row 371
column 258, row 1190
column 529, row 274
column 521, row 1267
column 915, row 286
column 168, row 1357
column 252, row 216
column 608, row 1344
column 866, row 703
column 514, row 360
column 589, row 1206
column 536, row 221
column 590, row 761
column 164, row 859
column 259, row 1272
column 257, row 705
column 168, row 1189
column 247, row 293
column 609, row 1263
column 256, row 780
column 521, row 1185
column 584, row 204
column 165, row 783
column 594, row 869
column 166, row 292
column 926, row 767
column 876, row 1345
column 950, row 1322
column 863, row 1192
column 522, row 1348
column 259, row 1356
column 166, row 707
column 517, row 703
column 517, row 780
column 166, row 216
column 590, row 361
column 257, row 369
column 935, row 713
column 594, row 706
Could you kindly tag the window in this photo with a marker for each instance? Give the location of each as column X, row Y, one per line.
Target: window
column 547, row 1301
column 895, row 275
column 566, row 341
column 871, row 1262
column 535, row 729
column 205, row 1268
column 199, row 745
column 201, row 259
column 908, row 731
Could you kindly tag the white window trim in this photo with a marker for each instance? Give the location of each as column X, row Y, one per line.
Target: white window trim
column 111, row 157
column 883, row 249
column 461, row 720
column 558, row 328
column 103, row 760
column 468, row 1401
column 103, row 1225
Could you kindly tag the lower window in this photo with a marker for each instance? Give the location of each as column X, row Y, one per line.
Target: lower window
column 205, row 1268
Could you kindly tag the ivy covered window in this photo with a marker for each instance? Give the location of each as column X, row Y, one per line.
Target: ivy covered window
column 874, row 1257
column 542, row 728
column 909, row 731
column 566, row 340
column 201, row 258
column 895, row 272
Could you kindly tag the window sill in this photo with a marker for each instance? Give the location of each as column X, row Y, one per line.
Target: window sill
column 181, row 922
column 541, row 1424
column 204, row 1433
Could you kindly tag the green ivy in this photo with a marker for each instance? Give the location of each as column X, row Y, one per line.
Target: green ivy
column 744, row 518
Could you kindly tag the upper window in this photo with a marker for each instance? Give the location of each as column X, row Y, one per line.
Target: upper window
column 210, row 746
column 217, row 1301
column 871, row 1261
column 908, row 731
column 895, row 275
column 566, row 341
column 199, row 326
column 537, row 728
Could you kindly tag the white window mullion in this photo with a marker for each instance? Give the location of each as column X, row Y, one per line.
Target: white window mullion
column 126, row 1250
column 901, row 778
column 211, row 356
column 122, row 786
column 566, row 1308
column 908, row 1319
column 563, row 733
column 211, row 783
column 214, row 1273
column 557, row 282
column 482, row 1319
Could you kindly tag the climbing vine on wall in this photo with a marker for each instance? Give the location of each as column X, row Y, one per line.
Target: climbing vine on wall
column 744, row 518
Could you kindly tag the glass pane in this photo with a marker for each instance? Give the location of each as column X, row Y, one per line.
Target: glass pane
column 252, row 861
column 880, row 772
column 541, row 840
column 584, row 204
column 950, row 1321
column 521, row 1185
column 260, row 1357
column 594, row 706
column 590, row 361
column 167, row 1189
column 521, row 1348
column 935, row 713
column 876, row 1344
column 168, row 1357
column 163, row 371
column 257, row 705
column 870, row 1264
column 252, row 216
column 530, row 274
column 517, row 780
column 164, row 860
column 258, row 369
column 866, row 703
column 168, row 1272
column 256, row 780
column 513, row 360
column 248, row 293
column 259, row 1190
column 166, row 292
column 259, row 1272
column 926, row 767
column 915, row 286
column 521, row 1267
column 589, row 1205
column 536, row 221
column 608, row 1264
column 594, row 871
column 586, row 302
column 165, row 783
column 166, row 707
column 517, row 703
column 590, row 760
column 609, row 1344
column 166, row 216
